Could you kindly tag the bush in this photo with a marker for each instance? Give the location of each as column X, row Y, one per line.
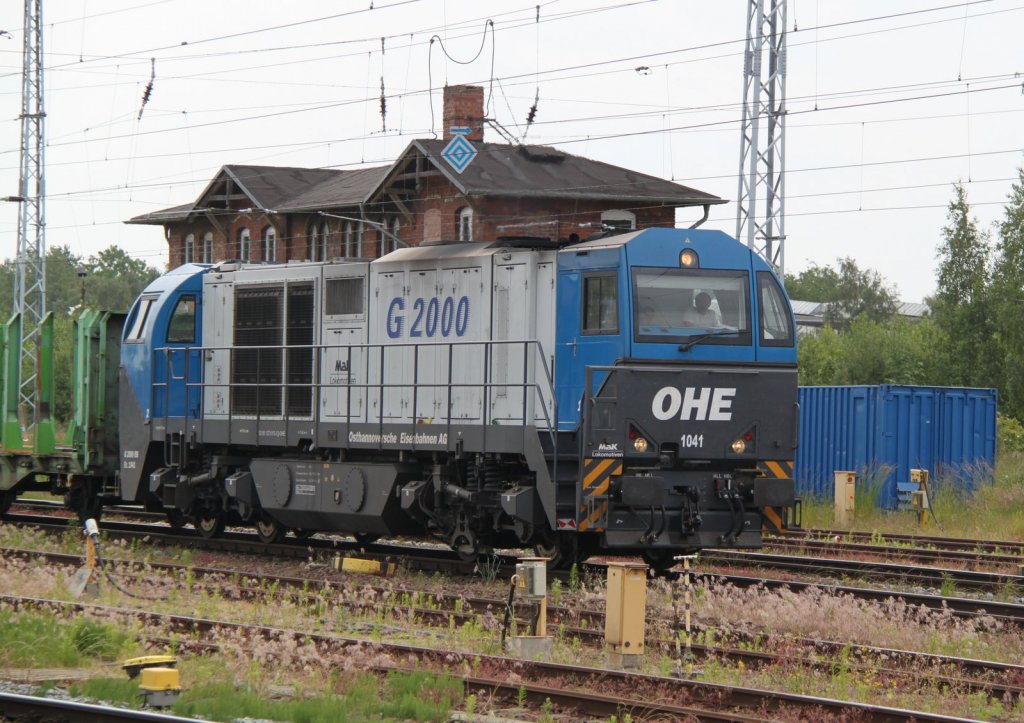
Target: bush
column 1009, row 434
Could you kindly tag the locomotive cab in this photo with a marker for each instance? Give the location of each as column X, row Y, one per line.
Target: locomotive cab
column 676, row 365
column 161, row 373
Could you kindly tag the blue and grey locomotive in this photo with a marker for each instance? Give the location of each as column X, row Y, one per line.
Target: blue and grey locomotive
column 631, row 394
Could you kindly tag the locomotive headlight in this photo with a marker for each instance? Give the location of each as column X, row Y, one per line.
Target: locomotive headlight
column 640, row 445
column 739, row 446
column 688, row 259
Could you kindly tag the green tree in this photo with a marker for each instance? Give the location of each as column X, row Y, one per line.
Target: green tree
column 860, row 292
column 1008, row 300
column 962, row 305
column 873, row 352
column 113, row 279
column 817, row 283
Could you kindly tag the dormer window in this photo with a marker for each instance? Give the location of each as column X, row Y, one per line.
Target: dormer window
column 618, row 220
column 464, row 223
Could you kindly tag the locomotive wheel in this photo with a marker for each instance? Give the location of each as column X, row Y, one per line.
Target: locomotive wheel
column 301, row 534
column 659, row 560
column 269, row 531
column 176, row 518
column 365, row 538
column 465, row 547
column 209, row 525
column 562, row 551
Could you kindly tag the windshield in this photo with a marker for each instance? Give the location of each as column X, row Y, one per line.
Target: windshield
column 672, row 305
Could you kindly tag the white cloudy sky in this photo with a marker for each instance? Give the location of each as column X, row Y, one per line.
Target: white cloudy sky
column 889, row 104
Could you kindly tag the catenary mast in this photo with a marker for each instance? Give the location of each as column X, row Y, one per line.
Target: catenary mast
column 761, row 199
column 30, row 277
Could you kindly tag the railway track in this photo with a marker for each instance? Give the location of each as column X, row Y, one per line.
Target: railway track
column 1009, row 584
column 439, row 559
column 1008, row 547
column 1008, row 562
column 647, row 695
column 443, row 610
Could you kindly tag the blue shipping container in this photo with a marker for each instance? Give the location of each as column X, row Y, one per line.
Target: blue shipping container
column 882, row 432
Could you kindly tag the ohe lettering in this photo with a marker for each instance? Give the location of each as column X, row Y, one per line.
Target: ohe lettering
column 700, row 404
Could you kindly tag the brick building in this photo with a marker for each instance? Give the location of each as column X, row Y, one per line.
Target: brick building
column 277, row 214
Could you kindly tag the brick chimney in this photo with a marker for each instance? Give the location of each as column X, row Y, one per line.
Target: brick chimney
column 464, row 106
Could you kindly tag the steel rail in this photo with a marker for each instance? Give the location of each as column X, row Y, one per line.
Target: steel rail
column 945, row 543
column 919, row 554
column 934, row 576
column 35, row 708
column 1011, row 613
column 675, row 691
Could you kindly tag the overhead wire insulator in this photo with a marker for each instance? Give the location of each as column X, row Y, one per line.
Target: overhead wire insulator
column 149, row 87
column 383, row 99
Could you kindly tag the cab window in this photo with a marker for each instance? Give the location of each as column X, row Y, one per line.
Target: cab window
column 776, row 323
column 141, row 317
column 182, row 329
column 676, row 305
column 600, row 304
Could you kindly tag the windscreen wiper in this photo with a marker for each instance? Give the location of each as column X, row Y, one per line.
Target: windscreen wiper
column 707, row 334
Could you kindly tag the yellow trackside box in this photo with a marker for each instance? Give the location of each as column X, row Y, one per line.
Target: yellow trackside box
column 154, row 679
column 626, row 607
column 160, row 687
column 134, row 665
column 366, row 567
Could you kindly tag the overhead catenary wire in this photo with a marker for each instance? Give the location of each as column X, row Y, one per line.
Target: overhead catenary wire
column 554, row 124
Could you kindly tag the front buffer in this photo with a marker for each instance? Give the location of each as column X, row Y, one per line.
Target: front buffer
column 673, row 455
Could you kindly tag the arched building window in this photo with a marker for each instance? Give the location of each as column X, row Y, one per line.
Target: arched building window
column 318, row 242
column 389, row 243
column 208, row 248
column 244, row 245
column 464, row 223
column 350, row 239
column 190, row 249
column 269, row 244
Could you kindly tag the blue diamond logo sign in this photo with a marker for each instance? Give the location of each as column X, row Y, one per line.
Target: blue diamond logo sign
column 459, row 153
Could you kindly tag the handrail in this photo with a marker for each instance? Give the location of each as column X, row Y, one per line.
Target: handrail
column 540, row 387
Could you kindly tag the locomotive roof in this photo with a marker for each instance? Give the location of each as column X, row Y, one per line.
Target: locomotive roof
column 470, row 249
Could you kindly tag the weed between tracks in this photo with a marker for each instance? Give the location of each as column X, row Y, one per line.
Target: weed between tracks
column 296, row 668
column 991, row 511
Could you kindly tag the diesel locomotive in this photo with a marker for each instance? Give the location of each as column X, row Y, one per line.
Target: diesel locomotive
column 629, row 394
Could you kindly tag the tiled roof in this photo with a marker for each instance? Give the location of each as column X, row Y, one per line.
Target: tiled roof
column 501, row 169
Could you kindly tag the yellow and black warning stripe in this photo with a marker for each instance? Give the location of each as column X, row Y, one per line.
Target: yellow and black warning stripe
column 777, row 468
column 773, row 519
column 597, row 477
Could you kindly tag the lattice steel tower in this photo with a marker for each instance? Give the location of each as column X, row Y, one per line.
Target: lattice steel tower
column 761, row 200
column 30, row 279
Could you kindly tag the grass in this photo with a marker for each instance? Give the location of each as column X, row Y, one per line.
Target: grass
column 33, row 640
column 991, row 511
column 402, row 696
